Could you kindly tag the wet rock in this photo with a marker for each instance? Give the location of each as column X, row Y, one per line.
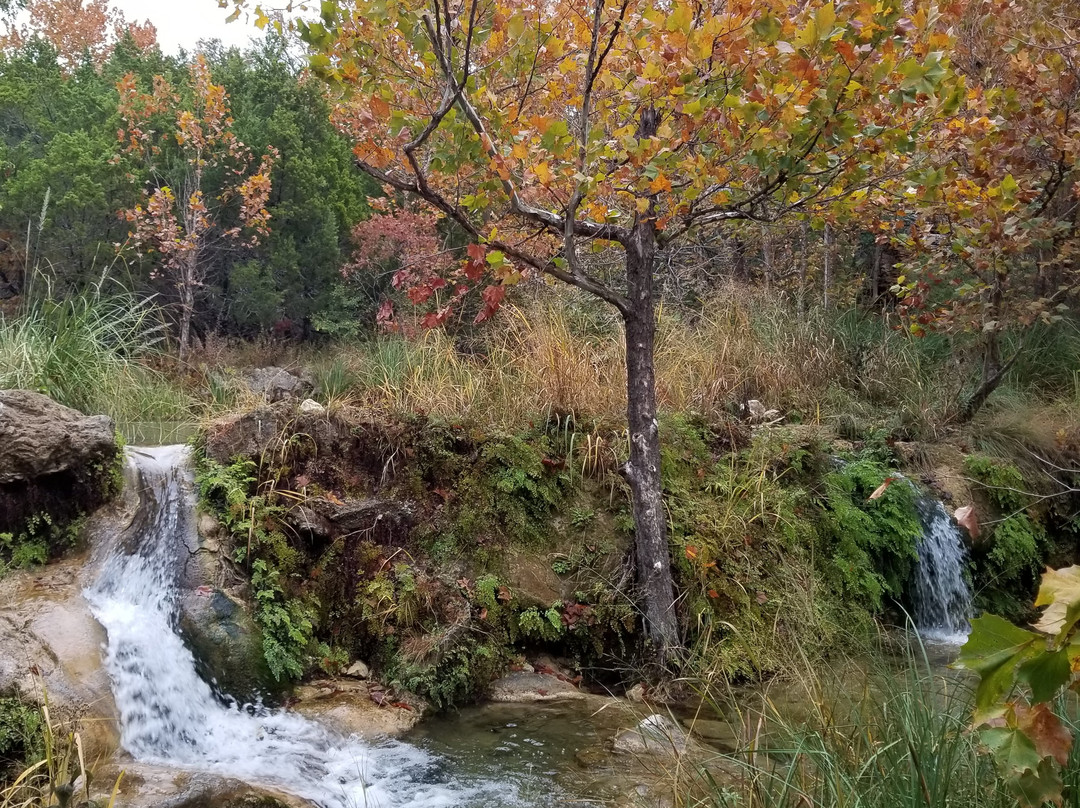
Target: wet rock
column 278, row 384
column 358, row 708
column 51, row 644
column 310, row 406
column 654, row 735
column 215, row 620
column 521, row 686
column 358, row 670
column 222, row 635
column 145, row 785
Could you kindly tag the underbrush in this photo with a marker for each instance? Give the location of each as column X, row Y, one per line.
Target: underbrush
column 43, row 761
column 877, row 732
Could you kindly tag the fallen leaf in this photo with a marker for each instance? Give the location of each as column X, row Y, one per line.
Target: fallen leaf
column 881, row 488
column 968, row 520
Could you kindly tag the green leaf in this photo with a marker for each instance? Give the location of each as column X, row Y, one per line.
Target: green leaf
column 994, row 650
column 1046, row 673
column 1013, row 751
column 1036, row 788
column 768, row 28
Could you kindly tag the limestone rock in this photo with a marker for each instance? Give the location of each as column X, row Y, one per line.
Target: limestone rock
column 310, row 406
column 147, row 785
column 357, row 708
column 359, row 670
column 521, row 686
column 654, row 735
column 53, row 460
column 277, row 384
column 39, row 437
column 50, row 643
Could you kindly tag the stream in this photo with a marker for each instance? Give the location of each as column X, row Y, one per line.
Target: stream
column 495, row 755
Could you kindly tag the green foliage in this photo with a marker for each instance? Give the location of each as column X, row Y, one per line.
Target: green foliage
column 546, row 625
column 505, row 490
column 39, row 538
column 285, row 622
column 1019, row 710
column 86, row 351
column 1019, row 546
column 20, row 735
column 896, row 736
column 253, row 521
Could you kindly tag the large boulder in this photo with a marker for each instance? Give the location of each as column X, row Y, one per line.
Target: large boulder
column 39, row 437
column 55, row 464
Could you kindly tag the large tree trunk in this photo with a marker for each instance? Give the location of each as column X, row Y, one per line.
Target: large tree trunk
column 643, row 469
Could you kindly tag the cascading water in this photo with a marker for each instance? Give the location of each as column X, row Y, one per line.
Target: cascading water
column 169, row 715
column 942, row 599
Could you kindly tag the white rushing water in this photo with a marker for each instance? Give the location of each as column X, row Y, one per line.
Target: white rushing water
column 942, row 599
column 169, row 715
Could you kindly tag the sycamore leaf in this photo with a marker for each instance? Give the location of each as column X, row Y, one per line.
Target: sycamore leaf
column 542, row 172
column 1036, row 788
column 768, row 28
column 880, row 490
column 1046, row 674
column 1046, row 732
column 968, row 519
column 1060, row 593
column 994, row 650
column 1013, row 751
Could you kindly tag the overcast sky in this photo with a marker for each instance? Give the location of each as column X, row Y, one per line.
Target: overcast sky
column 182, row 23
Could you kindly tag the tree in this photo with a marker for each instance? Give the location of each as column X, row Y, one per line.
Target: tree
column 207, row 194
column 543, row 129
column 78, row 29
column 992, row 237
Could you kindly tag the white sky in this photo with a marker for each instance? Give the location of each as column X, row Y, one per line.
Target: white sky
column 182, row 23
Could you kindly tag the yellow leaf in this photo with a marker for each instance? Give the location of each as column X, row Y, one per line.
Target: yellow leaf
column 520, row 151
column 260, row 18
column 825, row 19
column 642, row 204
column 542, row 172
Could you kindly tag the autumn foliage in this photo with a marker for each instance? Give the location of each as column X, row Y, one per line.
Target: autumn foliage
column 218, row 194
column 79, row 29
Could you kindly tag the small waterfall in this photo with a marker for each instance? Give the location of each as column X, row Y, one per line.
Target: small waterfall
column 942, row 599
column 168, row 715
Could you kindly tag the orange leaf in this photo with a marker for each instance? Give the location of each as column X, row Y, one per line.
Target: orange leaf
column 691, row 552
column 660, row 184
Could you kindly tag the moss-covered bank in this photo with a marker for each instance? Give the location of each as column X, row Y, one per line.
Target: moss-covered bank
column 441, row 552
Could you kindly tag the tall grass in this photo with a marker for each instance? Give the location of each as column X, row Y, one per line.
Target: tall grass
column 897, row 736
column 91, row 351
column 545, row 357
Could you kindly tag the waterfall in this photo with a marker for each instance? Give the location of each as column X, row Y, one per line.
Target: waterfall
column 942, row 599
column 170, row 716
